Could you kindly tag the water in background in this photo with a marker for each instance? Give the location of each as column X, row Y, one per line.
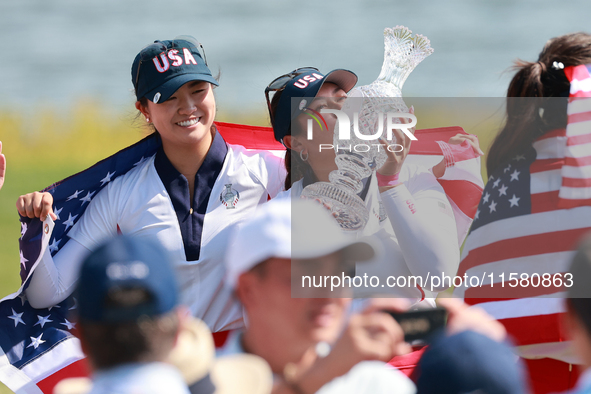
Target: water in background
column 59, row 51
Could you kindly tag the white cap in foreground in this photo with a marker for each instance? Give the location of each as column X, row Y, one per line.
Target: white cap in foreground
column 298, row 229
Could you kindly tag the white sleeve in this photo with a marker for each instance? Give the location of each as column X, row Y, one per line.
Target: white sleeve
column 54, row 279
column 424, row 226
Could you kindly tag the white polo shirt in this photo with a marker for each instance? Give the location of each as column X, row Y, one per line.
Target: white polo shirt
column 139, row 204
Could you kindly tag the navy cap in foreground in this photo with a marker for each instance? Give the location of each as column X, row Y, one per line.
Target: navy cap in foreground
column 126, row 263
column 469, row 362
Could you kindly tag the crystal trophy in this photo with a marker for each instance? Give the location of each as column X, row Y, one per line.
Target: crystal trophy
column 402, row 53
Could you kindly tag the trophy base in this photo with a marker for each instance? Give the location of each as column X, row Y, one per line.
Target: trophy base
column 347, row 207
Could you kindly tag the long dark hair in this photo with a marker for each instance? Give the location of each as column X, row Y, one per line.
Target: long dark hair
column 542, row 80
column 295, row 167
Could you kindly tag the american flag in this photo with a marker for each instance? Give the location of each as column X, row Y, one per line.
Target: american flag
column 37, row 346
column 531, row 215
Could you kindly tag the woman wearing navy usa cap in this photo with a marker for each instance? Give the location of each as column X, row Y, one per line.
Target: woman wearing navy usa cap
column 188, row 195
column 408, row 209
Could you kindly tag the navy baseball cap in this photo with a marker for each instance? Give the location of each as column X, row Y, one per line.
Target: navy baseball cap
column 126, row 263
column 161, row 68
column 469, row 362
column 306, row 86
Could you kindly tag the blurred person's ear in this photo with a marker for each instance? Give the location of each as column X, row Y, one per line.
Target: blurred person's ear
column 246, row 288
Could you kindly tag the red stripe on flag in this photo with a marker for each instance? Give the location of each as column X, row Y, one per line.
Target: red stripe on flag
column 576, row 72
column 262, row 138
column 578, row 139
column 477, row 301
column 578, row 162
column 576, row 182
column 529, row 330
column 572, row 99
column 566, row 203
column 463, row 151
column 529, row 245
column 544, row 202
column 253, row 137
column 426, row 139
column 507, row 292
column 77, row 369
column 465, row 194
column 580, row 117
column 546, row 165
column 581, row 94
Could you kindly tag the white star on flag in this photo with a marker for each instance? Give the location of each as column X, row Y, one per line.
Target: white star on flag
column 477, row 213
column 23, row 260
column 23, row 228
column 54, row 245
column 35, row 342
column 16, row 317
column 68, row 324
column 57, row 212
column 508, row 168
column 107, row 177
column 87, row 198
column 519, row 157
column 496, row 184
column 43, row 320
column 75, row 195
column 486, row 197
column 140, row 162
column 514, row 201
column 503, row 190
column 70, row 222
column 492, row 206
column 75, row 304
column 23, row 298
column 51, row 307
column 515, row 175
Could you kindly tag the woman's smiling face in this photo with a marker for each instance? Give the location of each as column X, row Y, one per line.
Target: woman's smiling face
column 186, row 117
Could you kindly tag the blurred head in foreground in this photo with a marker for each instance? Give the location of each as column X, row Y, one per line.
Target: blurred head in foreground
column 127, row 295
column 129, row 317
column 291, row 239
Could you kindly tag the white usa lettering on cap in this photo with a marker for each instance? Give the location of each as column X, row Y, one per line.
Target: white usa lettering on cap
column 133, row 270
column 307, row 79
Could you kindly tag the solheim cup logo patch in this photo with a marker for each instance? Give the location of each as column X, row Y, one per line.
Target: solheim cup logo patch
column 229, row 197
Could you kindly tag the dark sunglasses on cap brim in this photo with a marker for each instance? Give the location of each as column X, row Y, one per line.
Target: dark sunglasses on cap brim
column 280, row 82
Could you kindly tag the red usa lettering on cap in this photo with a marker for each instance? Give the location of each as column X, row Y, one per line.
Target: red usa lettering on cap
column 177, row 60
column 306, row 80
